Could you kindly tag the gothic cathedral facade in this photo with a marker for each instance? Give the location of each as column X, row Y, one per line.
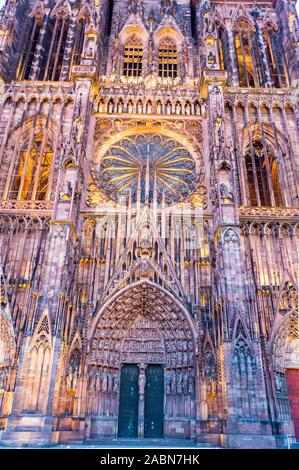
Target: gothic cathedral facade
column 149, row 216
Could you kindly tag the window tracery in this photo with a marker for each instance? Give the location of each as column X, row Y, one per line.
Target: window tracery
column 168, row 59
column 133, row 56
column 30, row 180
column 262, row 176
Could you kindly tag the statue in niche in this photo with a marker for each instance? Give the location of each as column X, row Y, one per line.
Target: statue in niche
column 115, row 383
column 210, row 366
column 185, row 383
column 173, row 383
column 218, row 131
column 104, row 378
column 149, row 107
column 188, row 109
column 211, row 58
column 168, row 383
column 77, row 130
column 206, row 14
column 101, row 107
column 179, row 383
column 225, row 193
column 98, row 379
column 139, row 107
column 197, row 108
column 145, row 249
column 159, row 107
column 168, row 108
column 203, row 108
column 91, row 379
column 109, row 383
column 66, row 193
column 191, row 383
column 130, row 107
column 178, row 108
column 110, row 107
column 185, row 359
column 120, row 107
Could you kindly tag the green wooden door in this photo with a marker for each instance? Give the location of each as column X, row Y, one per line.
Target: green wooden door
column 154, row 402
column 128, row 401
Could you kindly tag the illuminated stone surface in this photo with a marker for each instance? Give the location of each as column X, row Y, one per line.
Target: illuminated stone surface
column 149, row 217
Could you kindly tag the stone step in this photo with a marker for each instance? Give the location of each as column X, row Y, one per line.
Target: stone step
column 25, row 438
column 122, row 442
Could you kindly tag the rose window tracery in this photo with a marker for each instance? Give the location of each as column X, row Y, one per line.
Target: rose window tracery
column 153, row 161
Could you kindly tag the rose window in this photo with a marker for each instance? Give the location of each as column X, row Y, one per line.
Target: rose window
column 153, row 161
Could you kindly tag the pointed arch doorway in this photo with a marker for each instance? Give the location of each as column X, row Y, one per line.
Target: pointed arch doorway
column 142, row 366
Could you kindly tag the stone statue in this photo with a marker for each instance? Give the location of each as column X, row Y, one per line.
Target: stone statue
column 197, row 108
column 66, row 193
column 77, row 130
column 139, row 107
column 168, row 383
column 141, row 383
column 110, row 107
column 168, row 108
column 115, row 383
column 130, row 107
column 178, row 108
column 218, row 131
column 188, row 108
column 149, row 107
column 225, row 193
column 159, row 107
column 190, row 383
column 104, row 380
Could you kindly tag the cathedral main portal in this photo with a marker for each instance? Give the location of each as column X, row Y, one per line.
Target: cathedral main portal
column 141, row 372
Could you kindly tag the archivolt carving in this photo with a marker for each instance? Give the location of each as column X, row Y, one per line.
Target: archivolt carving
column 144, row 324
column 284, row 346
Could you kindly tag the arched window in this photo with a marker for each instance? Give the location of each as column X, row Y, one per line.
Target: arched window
column 168, row 59
column 245, row 62
column 133, row 54
column 32, row 171
column 79, row 42
column 275, row 59
column 221, row 48
column 27, row 56
column 54, row 47
column 262, row 176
